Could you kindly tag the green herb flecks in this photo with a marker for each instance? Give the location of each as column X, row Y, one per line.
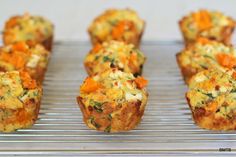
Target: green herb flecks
column 2, row 97
column 107, row 59
column 209, row 95
column 97, row 106
column 233, row 91
column 203, row 66
column 96, row 58
column 139, row 53
column 206, row 56
column 113, row 22
column 109, row 117
column 108, row 129
column 92, row 121
column 35, row 93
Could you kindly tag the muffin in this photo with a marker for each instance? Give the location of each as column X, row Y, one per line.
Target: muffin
column 212, row 99
column 113, row 101
column 20, row 100
column 114, row 54
column 28, row 28
column 20, row 56
column 213, row 25
column 205, row 54
column 117, row 24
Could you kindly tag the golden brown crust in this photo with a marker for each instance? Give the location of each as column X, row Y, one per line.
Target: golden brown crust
column 114, row 54
column 113, row 101
column 48, row 43
column 208, row 120
column 136, row 39
column 226, row 33
column 28, row 28
column 117, row 24
column 37, row 73
column 12, row 59
column 211, row 98
column 26, row 117
column 195, row 58
column 187, row 71
column 128, row 117
column 12, row 117
column 89, row 68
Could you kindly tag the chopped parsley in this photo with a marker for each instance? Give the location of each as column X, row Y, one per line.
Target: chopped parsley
column 96, row 58
column 92, row 121
column 109, row 117
column 107, row 59
column 97, row 106
column 233, row 91
column 209, row 95
column 108, row 129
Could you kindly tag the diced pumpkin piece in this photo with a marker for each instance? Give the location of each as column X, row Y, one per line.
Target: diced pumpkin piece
column 202, row 19
column 89, row 85
column 11, row 23
column 27, row 81
column 203, row 40
column 96, row 48
column 141, row 82
column 226, row 60
column 120, row 28
column 20, row 46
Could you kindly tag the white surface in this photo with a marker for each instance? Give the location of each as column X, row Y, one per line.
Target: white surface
column 72, row 17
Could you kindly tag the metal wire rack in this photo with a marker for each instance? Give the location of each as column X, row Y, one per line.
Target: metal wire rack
column 166, row 129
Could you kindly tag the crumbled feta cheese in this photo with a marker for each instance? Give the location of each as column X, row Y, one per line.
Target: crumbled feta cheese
column 200, row 78
column 6, row 81
column 214, row 93
column 129, row 96
column 24, row 98
column 208, row 48
column 223, row 89
column 129, row 85
column 116, row 74
column 117, row 84
column 224, row 21
column 121, row 65
column 33, row 61
column 96, row 78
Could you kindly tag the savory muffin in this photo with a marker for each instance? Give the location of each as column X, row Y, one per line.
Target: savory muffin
column 114, row 54
column 113, row 101
column 117, row 24
column 212, row 99
column 20, row 56
column 32, row 29
column 20, row 100
column 205, row 54
column 209, row 24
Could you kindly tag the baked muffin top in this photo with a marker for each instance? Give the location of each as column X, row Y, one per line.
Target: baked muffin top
column 27, row 28
column 207, row 23
column 111, row 22
column 21, row 55
column 113, row 87
column 206, row 53
column 215, row 91
column 16, row 88
column 114, row 54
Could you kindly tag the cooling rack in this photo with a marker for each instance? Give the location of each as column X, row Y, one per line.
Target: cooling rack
column 166, row 129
